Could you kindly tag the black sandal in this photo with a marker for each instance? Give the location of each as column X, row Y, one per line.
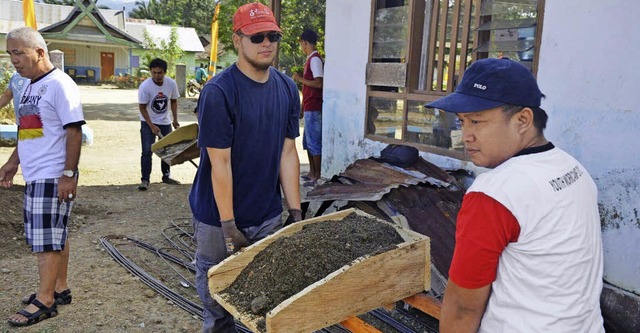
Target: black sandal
column 43, row 313
column 62, row 298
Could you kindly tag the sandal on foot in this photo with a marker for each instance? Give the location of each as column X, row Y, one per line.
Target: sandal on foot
column 62, row 298
column 43, row 313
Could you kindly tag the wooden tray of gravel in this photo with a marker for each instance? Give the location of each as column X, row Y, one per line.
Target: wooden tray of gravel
column 314, row 273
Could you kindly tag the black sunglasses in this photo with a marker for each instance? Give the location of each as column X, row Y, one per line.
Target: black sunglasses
column 273, row 37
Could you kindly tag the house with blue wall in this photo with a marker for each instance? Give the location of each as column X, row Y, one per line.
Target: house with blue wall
column 96, row 43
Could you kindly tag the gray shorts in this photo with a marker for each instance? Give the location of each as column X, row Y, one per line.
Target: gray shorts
column 211, row 240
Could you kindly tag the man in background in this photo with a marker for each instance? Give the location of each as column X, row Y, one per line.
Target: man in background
column 155, row 96
column 49, row 116
column 201, row 74
column 248, row 117
column 311, row 80
column 16, row 83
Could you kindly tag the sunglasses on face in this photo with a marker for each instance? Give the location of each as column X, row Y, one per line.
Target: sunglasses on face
column 273, row 37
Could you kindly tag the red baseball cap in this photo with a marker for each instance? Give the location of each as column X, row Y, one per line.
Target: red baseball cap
column 253, row 18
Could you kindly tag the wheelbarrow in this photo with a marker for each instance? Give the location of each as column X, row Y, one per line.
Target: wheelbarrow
column 179, row 146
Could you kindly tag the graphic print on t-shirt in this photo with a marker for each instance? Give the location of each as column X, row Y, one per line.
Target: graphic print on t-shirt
column 159, row 103
column 29, row 121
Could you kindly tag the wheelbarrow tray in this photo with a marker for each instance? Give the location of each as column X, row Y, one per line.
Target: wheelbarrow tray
column 367, row 283
column 179, row 146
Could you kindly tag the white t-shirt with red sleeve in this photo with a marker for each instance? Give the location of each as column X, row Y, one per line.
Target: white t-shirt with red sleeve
column 531, row 228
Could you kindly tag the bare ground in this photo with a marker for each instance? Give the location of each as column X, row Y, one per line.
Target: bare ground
column 106, row 298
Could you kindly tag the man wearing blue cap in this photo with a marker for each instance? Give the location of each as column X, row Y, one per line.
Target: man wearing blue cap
column 528, row 255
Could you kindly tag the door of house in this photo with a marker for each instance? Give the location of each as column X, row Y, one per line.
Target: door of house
column 107, row 62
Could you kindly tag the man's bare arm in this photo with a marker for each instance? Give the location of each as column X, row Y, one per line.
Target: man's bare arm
column 290, row 174
column 222, row 181
column 462, row 308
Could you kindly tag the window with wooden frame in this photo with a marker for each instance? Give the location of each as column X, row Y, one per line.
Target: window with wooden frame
column 419, row 50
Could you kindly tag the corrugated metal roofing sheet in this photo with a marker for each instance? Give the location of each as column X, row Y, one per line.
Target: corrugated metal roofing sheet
column 423, row 197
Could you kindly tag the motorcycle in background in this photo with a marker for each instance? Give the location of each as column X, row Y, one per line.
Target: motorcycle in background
column 193, row 88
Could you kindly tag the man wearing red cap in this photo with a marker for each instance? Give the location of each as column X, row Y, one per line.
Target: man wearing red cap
column 248, row 116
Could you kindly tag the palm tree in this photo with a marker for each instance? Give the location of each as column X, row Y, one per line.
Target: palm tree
column 142, row 10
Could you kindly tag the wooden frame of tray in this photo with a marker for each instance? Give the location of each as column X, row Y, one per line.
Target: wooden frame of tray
column 180, row 134
column 367, row 283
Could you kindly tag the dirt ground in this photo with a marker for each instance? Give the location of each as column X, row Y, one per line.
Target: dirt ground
column 106, row 298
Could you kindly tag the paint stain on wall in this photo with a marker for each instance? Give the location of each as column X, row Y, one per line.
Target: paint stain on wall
column 619, row 198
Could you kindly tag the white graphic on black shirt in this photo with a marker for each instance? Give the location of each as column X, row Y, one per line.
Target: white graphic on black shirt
column 159, row 103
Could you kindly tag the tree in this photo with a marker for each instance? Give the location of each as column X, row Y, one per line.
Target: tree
column 187, row 13
column 142, row 11
column 168, row 51
column 296, row 15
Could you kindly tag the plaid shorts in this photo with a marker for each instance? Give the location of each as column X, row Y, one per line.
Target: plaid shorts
column 45, row 219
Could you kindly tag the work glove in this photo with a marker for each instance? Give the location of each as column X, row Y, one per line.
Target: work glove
column 295, row 215
column 234, row 240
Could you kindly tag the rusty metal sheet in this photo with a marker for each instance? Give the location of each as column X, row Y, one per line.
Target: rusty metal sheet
column 369, row 171
column 423, row 197
column 347, row 192
column 431, row 212
column 369, row 180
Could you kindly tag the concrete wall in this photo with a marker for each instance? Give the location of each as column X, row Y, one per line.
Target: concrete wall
column 588, row 70
column 344, row 89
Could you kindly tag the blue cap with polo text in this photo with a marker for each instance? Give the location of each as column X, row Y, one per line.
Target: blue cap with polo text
column 490, row 83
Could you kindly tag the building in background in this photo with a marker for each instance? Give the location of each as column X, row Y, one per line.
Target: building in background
column 97, row 43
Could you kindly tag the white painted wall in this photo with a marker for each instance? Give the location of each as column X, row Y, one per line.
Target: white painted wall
column 346, row 44
column 589, row 68
column 344, row 100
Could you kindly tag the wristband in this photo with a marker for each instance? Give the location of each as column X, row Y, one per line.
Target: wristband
column 228, row 221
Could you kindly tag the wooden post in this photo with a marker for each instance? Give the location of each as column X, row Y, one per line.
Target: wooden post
column 425, row 303
column 357, row 325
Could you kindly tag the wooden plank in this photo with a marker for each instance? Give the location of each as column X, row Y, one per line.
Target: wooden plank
column 354, row 289
column 442, row 45
column 431, row 56
column 453, row 45
column 466, row 30
column 367, row 283
column 425, row 303
column 357, row 325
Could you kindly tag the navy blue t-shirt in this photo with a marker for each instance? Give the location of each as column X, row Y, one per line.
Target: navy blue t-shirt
column 253, row 119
